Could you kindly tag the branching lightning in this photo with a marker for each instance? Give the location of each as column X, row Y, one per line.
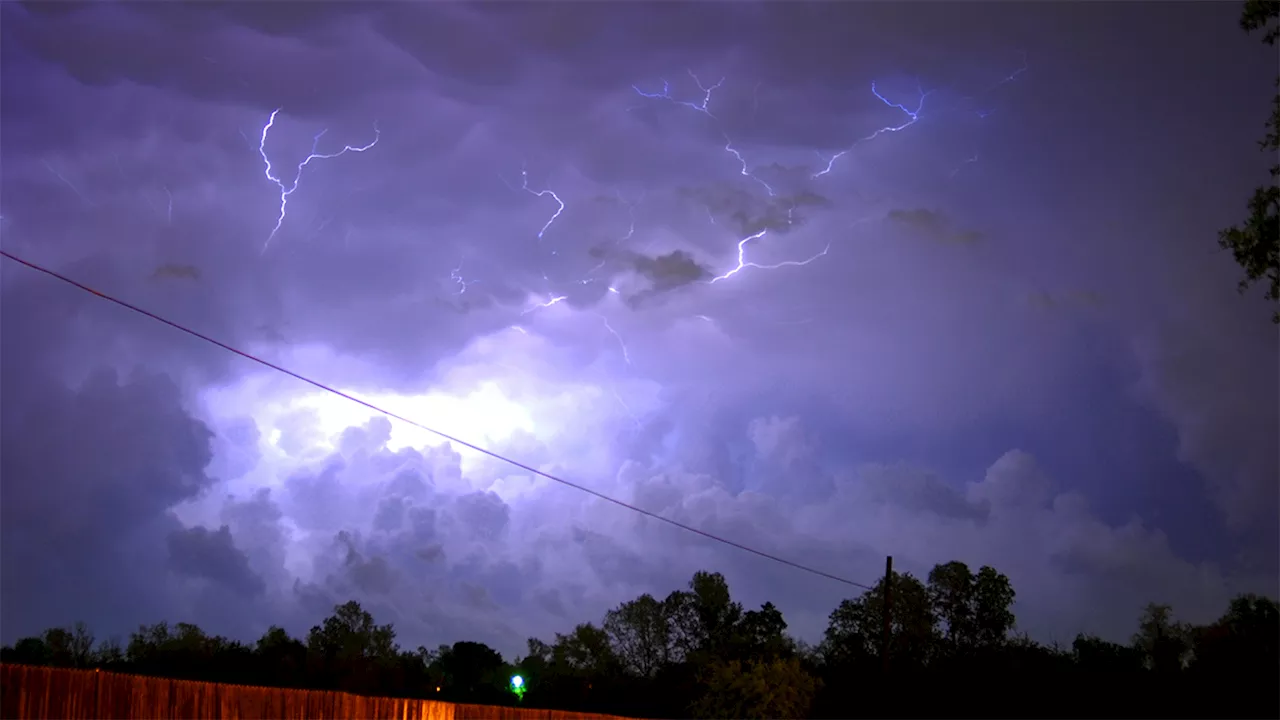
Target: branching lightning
column 984, row 113
column 743, row 263
column 701, row 107
column 631, row 231
column 456, row 276
column 554, row 300
column 588, row 279
column 912, row 117
column 524, row 185
column 744, row 169
column 287, row 190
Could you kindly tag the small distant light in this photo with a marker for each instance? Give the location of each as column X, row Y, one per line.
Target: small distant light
column 517, row 681
column 437, row 688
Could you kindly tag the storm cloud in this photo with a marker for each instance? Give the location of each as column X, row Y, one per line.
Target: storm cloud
column 836, row 281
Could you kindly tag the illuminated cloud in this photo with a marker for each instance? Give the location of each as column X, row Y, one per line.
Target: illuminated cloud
column 743, row 308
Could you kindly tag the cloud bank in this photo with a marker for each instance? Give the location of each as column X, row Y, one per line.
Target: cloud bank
column 995, row 334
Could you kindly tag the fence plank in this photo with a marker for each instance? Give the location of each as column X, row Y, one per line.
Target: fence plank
column 42, row 693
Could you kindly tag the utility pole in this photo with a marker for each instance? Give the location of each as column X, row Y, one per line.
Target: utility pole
column 888, row 612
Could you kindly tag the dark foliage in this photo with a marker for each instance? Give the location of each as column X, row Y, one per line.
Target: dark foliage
column 1255, row 243
column 952, row 652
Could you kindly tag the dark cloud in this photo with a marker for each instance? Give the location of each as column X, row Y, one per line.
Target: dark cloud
column 935, row 226
column 255, row 520
column 482, row 514
column 846, row 389
column 177, row 272
column 189, row 51
column 748, row 214
column 90, row 473
column 921, row 490
column 665, row 273
column 199, row 552
column 122, row 473
column 366, row 575
column 1052, row 301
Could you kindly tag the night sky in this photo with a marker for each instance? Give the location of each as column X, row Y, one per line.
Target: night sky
column 996, row 329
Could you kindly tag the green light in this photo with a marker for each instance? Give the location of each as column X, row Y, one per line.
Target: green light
column 517, row 686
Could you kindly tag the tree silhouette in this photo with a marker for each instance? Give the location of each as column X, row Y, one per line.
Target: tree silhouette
column 1243, row 643
column 767, row 689
column 350, row 650
column 641, row 633
column 697, row 653
column 1164, row 642
column 473, row 671
column 855, row 630
column 284, row 659
column 1255, row 243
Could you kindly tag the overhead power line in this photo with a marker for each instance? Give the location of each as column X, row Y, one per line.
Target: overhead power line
column 433, row 431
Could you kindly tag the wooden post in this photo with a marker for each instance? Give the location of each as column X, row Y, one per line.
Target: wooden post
column 888, row 612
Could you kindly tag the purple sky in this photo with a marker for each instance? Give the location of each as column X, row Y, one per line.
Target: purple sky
column 1016, row 344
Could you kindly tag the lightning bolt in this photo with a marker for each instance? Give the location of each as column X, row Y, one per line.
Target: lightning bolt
column 912, row 117
column 287, row 190
column 745, row 171
column 631, row 215
column 743, row 263
column 626, row 355
column 960, row 167
column 744, row 168
column 617, row 396
column 588, row 280
column 1013, row 75
column 701, row 107
column 631, row 231
column 984, row 114
column 524, row 185
column 554, row 300
column 456, row 276
column 67, row 182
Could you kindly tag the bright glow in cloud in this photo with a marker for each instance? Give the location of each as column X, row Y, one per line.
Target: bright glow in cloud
column 498, row 391
column 411, row 276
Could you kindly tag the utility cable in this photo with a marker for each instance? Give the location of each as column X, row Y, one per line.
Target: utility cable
column 445, row 436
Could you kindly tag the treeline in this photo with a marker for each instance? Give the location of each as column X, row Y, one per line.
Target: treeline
column 952, row 651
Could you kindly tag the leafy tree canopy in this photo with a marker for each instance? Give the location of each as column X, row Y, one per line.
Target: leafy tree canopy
column 699, row 653
column 1255, row 243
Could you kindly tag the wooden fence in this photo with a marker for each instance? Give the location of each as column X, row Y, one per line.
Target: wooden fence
column 42, row 693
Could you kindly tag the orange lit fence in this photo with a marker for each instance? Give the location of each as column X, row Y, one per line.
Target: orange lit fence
column 42, row 693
